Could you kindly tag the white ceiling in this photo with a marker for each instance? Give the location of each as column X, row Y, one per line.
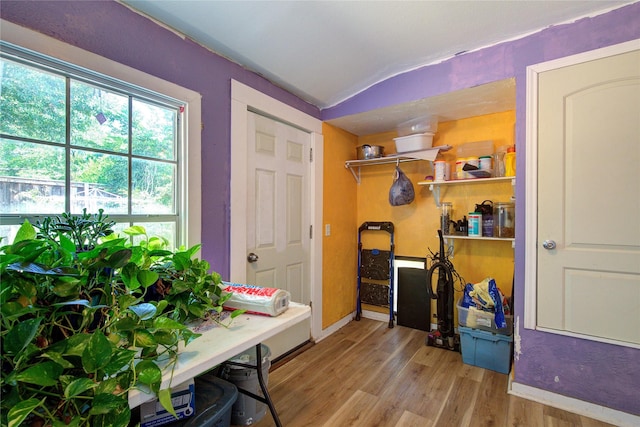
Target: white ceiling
column 327, row 51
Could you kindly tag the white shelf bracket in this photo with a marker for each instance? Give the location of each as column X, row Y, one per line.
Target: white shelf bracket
column 435, row 189
column 353, row 172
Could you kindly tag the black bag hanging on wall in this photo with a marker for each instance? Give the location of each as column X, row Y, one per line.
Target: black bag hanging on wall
column 401, row 192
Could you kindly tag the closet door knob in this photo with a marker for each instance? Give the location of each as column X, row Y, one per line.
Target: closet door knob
column 549, row 244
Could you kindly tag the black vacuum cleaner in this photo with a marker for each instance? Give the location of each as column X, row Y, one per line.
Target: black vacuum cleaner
column 445, row 336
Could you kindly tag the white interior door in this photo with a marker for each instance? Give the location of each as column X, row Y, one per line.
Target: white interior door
column 278, row 226
column 588, row 240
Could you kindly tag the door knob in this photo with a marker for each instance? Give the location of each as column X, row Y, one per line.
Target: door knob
column 549, row 244
column 252, row 257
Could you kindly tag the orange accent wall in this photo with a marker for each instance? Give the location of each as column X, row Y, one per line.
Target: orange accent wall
column 339, row 249
column 347, row 205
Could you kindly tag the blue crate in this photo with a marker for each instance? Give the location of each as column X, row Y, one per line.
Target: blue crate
column 485, row 349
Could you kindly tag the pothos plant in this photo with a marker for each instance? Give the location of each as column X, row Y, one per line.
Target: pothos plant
column 78, row 328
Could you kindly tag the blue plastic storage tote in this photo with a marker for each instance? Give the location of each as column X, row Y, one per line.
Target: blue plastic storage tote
column 485, row 349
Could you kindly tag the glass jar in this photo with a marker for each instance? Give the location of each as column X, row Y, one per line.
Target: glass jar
column 504, row 220
column 445, row 218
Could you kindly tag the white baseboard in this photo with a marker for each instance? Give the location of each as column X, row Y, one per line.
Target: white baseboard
column 375, row 315
column 576, row 406
column 335, row 327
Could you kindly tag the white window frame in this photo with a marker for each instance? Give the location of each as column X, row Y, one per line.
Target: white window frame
column 189, row 204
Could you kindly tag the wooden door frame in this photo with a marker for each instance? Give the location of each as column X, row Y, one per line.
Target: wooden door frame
column 531, row 178
column 243, row 100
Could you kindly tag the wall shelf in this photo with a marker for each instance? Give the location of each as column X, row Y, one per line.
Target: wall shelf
column 435, row 186
column 428, row 155
column 450, row 238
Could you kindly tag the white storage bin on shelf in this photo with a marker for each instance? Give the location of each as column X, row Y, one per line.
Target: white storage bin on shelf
column 417, row 142
column 477, row 319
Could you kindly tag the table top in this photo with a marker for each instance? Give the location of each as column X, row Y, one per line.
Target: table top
column 219, row 344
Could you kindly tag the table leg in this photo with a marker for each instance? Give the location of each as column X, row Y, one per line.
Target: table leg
column 267, row 397
column 263, row 386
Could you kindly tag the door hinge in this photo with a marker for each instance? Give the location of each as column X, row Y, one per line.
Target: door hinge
column 311, row 155
column 311, row 231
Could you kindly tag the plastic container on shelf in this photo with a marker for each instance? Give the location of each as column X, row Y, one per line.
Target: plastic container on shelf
column 504, row 220
column 486, row 350
column 479, row 319
column 510, row 162
column 418, row 125
column 475, row 224
column 446, row 216
column 417, row 142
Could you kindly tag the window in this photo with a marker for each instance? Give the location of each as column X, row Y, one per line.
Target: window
column 72, row 139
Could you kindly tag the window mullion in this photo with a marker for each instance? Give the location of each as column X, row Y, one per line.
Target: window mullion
column 67, row 144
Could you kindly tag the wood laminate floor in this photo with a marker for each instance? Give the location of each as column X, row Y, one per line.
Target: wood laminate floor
column 368, row 375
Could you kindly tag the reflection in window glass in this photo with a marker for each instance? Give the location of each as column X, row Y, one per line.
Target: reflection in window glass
column 153, row 185
column 99, row 118
column 25, row 91
column 153, row 130
column 31, row 178
column 99, row 181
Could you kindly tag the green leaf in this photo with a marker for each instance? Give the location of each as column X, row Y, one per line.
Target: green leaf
column 76, row 344
column 97, row 353
column 129, row 274
column 25, row 232
column 78, row 386
column 21, row 410
column 189, row 336
column 120, row 258
column 107, row 386
column 15, row 309
column 125, row 301
column 163, row 322
column 135, row 230
column 182, row 261
column 149, row 374
column 197, row 309
column 144, row 338
column 159, row 252
column 57, row 357
column 44, row 374
column 67, row 244
column 164, row 396
column 21, row 335
column 66, row 288
column 126, row 324
column 144, row 311
column 120, row 359
column 105, row 403
column 165, row 337
column 147, row 277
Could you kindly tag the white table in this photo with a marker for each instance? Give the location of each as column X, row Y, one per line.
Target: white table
column 220, row 344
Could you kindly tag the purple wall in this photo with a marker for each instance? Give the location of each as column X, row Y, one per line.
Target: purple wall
column 111, row 30
column 604, row 374
column 599, row 373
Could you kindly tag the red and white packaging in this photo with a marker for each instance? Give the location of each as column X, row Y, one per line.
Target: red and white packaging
column 256, row 299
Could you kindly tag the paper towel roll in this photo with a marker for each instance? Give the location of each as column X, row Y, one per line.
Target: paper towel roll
column 256, row 299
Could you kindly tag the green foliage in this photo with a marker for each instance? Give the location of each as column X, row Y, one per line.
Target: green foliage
column 78, row 330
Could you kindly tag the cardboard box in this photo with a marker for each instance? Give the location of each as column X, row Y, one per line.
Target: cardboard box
column 183, row 398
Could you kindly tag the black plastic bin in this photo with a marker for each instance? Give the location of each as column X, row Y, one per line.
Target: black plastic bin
column 214, row 399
